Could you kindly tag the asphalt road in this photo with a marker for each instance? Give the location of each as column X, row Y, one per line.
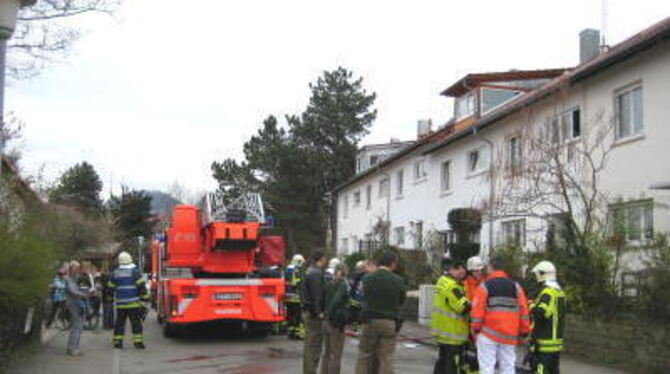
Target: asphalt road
column 217, row 349
column 210, row 349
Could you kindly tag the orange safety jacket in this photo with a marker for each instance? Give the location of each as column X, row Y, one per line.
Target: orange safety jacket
column 500, row 310
column 471, row 283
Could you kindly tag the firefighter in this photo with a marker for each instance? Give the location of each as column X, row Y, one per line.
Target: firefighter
column 293, row 275
column 330, row 271
column 475, row 276
column 548, row 313
column 449, row 322
column 499, row 320
column 129, row 289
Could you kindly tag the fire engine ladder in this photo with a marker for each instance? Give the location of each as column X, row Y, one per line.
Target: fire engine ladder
column 251, row 204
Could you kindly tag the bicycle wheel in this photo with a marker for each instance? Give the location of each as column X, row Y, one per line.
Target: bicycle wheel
column 62, row 320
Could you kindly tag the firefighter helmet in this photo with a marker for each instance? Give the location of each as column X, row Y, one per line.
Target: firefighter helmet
column 298, row 260
column 475, row 263
column 125, row 259
column 545, row 271
column 332, row 264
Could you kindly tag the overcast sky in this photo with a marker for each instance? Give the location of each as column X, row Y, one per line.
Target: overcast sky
column 158, row 93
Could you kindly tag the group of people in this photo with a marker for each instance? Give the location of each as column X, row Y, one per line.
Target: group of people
column 480, row 315
column 329, row 302
column 119, row 293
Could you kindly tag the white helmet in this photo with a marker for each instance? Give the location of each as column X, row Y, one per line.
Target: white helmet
column 475, row 263
column 332, row 264
column 360, row 265
column 298, row 260
column 125, row 259
column 544, row 271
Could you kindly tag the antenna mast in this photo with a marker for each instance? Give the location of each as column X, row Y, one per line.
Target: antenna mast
column 604, row 20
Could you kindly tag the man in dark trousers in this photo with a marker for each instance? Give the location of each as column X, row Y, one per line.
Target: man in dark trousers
column 383, row 295
column 312, row 291
column 129, row 288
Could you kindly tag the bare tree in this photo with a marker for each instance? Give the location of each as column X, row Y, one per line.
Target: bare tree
column 46, row 31
column 554, row 167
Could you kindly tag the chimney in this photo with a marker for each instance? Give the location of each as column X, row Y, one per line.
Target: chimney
column 423, row 128
column 589, row 45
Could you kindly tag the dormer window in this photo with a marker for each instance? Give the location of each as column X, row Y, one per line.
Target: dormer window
column 464, row 106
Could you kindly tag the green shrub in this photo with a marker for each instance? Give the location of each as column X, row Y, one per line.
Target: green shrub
column 26, row 266
column 654, row 301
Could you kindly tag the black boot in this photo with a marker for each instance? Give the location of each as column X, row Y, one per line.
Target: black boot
column 118, row 345
column 140, row 345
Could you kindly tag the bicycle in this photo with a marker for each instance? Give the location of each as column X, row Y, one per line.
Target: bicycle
column 91, row 311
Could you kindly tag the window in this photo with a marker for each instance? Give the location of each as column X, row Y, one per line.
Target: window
column 420, row 169
column 400, row 176
column 448, row 237
column 634, row 220
column 418, row 234
column 478, row 160
column 355, row 243
column 345, row 206
column 629, row 113
column 373, row 160
column 464, row 106
column 495, row 97
column 445, row 176
column 514, row 233
column 368, row 196
column 357, row 198
column 566, row 126
column 399, row 233
column 359, row 165
column 514, row 153
column 383, row 188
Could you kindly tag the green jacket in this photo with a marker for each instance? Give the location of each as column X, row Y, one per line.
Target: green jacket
column 449, row 321
column 337, row 300
column 383, row 295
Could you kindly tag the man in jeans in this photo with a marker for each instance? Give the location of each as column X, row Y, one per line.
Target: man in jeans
column 383, row 294
column 74, row 305
column 312, row 303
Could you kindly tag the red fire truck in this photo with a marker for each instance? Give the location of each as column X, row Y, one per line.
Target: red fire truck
column 216, row 264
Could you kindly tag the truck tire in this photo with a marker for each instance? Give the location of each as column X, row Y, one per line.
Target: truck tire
column 169, row 330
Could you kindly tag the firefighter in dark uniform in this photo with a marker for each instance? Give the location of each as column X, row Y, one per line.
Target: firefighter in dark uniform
column 548, row 314
column 129, row 290
column 293, row 275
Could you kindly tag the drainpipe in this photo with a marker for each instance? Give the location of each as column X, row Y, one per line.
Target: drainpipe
column 492, row 187
column 388, row 205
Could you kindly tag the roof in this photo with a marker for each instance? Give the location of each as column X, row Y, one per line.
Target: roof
column 466, row 83
column 639, row 42
column 439, row 134
column 25, row 186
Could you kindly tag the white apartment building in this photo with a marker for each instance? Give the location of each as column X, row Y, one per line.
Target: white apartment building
column 624, row 89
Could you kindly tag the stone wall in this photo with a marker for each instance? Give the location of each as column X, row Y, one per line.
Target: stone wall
column 639, row 347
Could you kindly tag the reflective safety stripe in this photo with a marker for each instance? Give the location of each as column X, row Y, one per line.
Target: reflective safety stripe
column 476, row 320
column 118, row 337
column 502, row 301
column 525, row 317
column 126, row 287
column 229, row 282
column 449, row 314
column 128, row 300
column 502, row 309
column 137, row 338
column 449, row 335
column 499, row 335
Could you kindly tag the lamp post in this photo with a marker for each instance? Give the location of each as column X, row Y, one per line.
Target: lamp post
column 9, row 10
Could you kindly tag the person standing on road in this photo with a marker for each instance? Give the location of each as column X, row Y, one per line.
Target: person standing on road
column 312, row 304
column 449, row 322
column 293, row 276
column 58, row 294
column 337, row 300
column 75, row 299
column 129, row 289
column 383, row 295
column 499, row 320
column 107, row 297
column 548, row 312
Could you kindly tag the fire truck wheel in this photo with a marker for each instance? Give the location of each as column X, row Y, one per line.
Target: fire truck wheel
column 169, row 330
